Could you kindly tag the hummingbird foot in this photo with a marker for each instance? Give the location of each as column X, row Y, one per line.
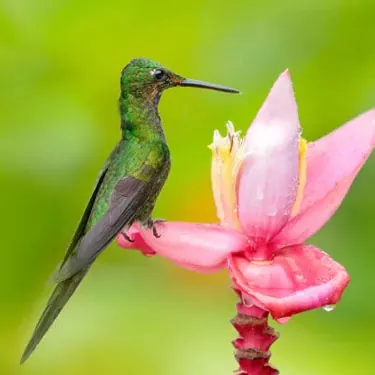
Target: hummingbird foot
column 151, row 225
column 127, row 237
column 155, row 232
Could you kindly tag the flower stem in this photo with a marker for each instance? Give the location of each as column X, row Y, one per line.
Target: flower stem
column 256, row 336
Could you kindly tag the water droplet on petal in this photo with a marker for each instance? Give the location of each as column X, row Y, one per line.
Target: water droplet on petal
column 299, row 277
column 260, row 194
column 283, row 320
column 273, row 212
column 329, row 308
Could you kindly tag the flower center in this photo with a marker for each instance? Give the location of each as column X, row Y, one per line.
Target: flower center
column 261, row 254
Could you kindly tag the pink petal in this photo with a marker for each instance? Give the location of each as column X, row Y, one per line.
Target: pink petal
column 300, row 278
column 198, row 247
column 268, row 176
column 137, row 241
column 332, row 164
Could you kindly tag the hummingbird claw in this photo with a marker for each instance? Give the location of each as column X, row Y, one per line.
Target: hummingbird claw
column 127, row 237
column 155, row 232
column 151, row 225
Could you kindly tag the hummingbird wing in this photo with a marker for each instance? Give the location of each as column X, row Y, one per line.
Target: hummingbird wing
column 129, row 195
column 82, row 226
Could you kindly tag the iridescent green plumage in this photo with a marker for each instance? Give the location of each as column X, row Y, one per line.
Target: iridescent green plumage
column 128, row 184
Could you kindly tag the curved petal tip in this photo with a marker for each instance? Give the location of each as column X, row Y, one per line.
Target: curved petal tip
column 268, row 177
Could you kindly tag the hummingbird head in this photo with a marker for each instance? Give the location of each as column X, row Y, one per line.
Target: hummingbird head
column 146, row 78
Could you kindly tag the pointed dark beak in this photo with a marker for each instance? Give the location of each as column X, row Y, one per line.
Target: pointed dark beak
column 205, row 85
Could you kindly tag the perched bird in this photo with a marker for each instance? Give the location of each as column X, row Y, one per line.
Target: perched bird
column 128, row 184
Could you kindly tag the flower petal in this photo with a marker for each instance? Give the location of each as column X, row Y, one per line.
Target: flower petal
column 198, row 247
column 300, row 278
column 268, row 176
column 332, row 164
column 136, row 241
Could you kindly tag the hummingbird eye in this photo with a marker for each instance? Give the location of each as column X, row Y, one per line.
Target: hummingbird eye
column 159, row 74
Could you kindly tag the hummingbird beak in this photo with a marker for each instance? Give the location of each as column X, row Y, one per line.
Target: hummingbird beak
column 205, row 85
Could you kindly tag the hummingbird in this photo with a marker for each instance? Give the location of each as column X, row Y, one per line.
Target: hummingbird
column 128, row 184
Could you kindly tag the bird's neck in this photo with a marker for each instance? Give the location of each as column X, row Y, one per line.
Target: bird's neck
column 140, row 118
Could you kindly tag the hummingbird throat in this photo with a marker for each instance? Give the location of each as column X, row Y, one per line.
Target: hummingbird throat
column 140, row 116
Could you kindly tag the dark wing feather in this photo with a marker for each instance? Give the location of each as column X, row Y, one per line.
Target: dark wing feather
column 128, row 196
column 80, row 231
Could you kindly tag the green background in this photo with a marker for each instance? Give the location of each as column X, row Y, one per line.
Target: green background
column 59, row 82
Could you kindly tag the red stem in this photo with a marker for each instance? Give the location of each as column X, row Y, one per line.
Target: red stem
column 256, row 336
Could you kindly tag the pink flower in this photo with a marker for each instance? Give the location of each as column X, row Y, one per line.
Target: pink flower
column 273, row 191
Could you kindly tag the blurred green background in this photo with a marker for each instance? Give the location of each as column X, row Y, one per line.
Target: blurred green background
column 59, row 71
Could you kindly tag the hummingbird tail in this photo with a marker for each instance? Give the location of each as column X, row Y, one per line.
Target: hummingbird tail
column 60, row 296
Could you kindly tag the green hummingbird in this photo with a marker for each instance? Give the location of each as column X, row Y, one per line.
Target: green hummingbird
column 128, row 184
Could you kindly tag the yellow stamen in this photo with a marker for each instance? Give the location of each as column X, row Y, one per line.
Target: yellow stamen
column 301, row 177
column 224, row 150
